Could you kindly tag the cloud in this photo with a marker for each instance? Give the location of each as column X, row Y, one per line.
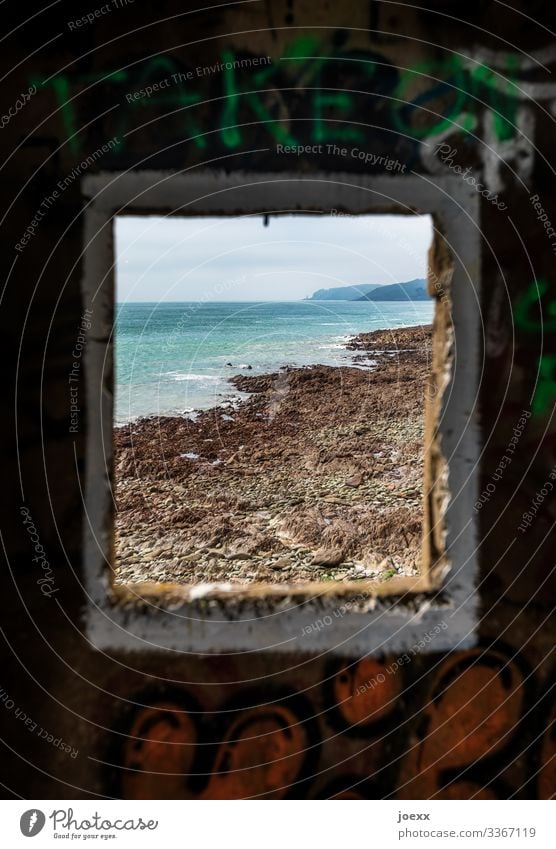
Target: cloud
column 186, row 259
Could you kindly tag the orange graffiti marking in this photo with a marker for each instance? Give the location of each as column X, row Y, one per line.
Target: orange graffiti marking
column 158, row 753
column 474, row 708
column 367, row 692
column 263, row 754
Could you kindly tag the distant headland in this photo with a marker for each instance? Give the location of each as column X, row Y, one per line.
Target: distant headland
column 411, row 290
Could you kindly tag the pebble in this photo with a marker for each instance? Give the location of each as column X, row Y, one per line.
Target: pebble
column 282, row 563
column 327, row 557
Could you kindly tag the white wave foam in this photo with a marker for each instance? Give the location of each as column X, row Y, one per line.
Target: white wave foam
column 196, row 378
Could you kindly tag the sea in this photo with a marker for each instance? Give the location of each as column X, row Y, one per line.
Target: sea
column 176, row 358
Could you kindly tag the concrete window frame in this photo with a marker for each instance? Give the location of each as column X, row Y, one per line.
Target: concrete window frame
column 355, row 618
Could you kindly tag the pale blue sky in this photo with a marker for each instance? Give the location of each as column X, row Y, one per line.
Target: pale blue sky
column 238, row 259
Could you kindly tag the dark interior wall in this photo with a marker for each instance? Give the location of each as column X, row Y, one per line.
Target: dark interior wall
column 391, row 81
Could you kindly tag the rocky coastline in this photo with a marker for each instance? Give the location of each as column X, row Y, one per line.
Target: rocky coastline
column 315, row 476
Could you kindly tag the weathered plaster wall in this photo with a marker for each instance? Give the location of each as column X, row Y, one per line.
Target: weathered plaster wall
column 382, row 78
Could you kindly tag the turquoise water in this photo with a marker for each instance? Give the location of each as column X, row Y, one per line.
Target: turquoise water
column 171, row 358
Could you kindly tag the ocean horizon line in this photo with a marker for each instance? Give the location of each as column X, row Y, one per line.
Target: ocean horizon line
column 274, row 301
